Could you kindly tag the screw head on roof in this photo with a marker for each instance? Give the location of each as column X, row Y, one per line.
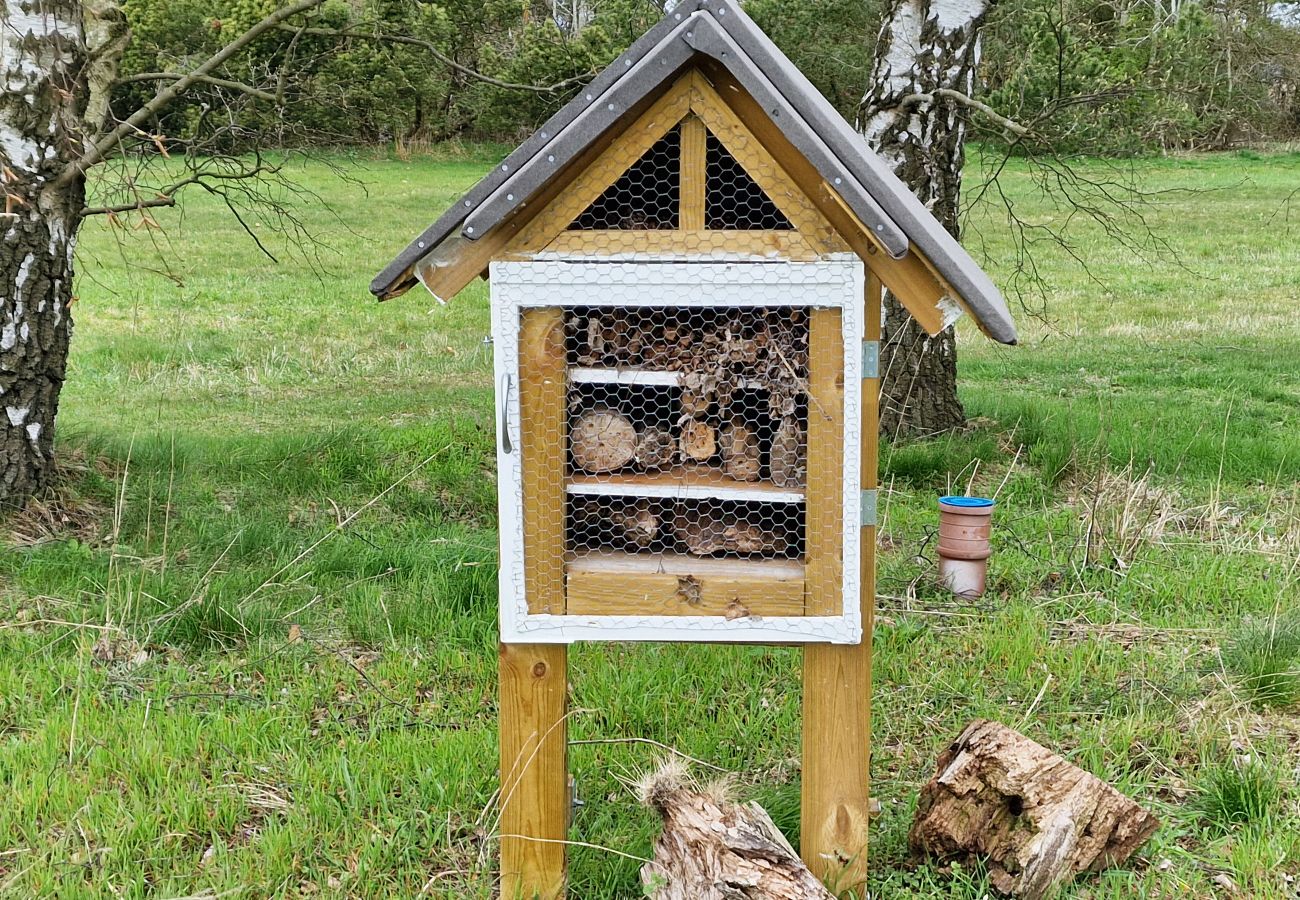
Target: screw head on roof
column 550, row 157
column 466, row 203
column 545, row 135
column 880, row 228
column 690, row 34
column 421, row 244
column 505, row 168
column 510, row 196
column 838, row 180
column 589, row 96
column 469, row 229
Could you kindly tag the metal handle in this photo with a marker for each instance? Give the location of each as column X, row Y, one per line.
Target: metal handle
column 506, row 445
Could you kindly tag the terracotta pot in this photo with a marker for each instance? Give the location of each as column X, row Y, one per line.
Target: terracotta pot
column 965, row 524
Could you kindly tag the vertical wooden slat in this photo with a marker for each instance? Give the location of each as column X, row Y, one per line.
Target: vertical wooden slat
column 534, row 677
column 534, row 770
column 542, row 409
column 692, row 174
column 824, row 556
column 837, row 701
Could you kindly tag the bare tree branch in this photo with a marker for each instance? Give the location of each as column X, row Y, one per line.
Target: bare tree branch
column 442, row 58
column 152, row 203
column 132, row 123
column 970, row 103
column 205, row 79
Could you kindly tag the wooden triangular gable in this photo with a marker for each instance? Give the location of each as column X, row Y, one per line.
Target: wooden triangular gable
column 692, row 108
column 822, row 222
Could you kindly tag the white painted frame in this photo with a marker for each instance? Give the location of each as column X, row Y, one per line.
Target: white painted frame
column 838, row 281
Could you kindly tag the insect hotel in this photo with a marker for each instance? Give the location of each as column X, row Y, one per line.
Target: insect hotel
column 686, row 266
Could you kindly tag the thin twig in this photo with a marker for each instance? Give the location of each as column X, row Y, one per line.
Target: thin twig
column 652, row 743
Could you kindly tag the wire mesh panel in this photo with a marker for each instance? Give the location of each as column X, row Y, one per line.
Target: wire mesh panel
column 732, row 198
column 645, row 198
column 686, row 437
column 684, row 459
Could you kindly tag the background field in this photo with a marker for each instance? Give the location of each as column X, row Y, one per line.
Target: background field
column 251, row 649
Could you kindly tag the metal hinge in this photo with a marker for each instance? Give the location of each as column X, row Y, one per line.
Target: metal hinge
column 871, row 359
column 506, row 445
column 869, row 507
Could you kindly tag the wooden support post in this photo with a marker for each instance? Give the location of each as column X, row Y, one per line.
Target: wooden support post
column 691, row 177
column 534, row 770
column 837, row 701
column 534, row 677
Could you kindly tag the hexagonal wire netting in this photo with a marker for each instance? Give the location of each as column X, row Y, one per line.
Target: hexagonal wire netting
column 647, row 196
column 687, row 427
column 686, row 430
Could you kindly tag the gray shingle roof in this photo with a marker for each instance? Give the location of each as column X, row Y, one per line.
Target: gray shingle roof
column 720, row 30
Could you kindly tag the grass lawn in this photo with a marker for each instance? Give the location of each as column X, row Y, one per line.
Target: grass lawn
column 251, row 649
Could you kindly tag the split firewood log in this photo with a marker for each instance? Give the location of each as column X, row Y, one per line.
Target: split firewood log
column 741, row 454
column 699, row 440
column 636, row 522
column 655, row 448
column 1038, row 820
column 788, row 459
column 713, row 848
column 602, row 440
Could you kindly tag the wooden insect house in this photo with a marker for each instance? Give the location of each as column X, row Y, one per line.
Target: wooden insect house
column 686, row 265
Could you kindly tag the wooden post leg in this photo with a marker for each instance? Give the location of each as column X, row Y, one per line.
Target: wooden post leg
column 534, row 770
column 837, row 701
column 836, row 760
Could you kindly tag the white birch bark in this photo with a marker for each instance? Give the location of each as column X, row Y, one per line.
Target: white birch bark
column 923, row 46
column 42, row 57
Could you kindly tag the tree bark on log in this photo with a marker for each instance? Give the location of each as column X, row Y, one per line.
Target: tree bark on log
column 924, row 46
column 741, row 453
column 712, row 848
column 1038, row 820
column 788, row 458
column 45, row 65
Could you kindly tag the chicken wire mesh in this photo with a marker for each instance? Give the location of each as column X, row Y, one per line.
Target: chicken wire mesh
column 646, row 197
column 732, row 198
column 685, row 439
column 686, row 425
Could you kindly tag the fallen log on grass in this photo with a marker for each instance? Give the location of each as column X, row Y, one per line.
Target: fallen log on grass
column 1036, row 820
column 713, row 848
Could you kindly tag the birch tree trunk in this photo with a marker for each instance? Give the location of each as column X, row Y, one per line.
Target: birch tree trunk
column 43, row 68
column 924, row 46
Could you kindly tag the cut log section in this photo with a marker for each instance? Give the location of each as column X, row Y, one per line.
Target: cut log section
column 741, row 453
column 655, row 448
column 602, row 440
column 712, row 848
column 699, row 440
column 1036, row 819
